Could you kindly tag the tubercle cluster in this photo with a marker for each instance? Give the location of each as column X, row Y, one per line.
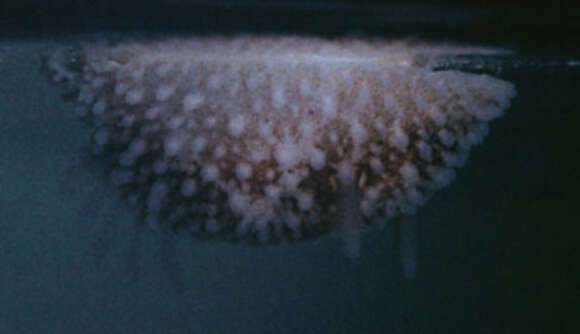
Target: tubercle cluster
column 263, row 139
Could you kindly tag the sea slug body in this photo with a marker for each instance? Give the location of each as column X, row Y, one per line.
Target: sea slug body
column 271, row 139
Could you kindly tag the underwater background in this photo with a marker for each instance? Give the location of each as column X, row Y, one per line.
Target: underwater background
column 497, row 249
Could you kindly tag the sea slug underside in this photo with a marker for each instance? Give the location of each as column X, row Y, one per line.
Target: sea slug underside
column 269, row 139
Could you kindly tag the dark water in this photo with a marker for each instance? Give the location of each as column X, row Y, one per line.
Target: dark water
column 497, row 250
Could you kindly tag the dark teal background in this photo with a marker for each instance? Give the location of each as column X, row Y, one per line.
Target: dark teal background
column 497, row 250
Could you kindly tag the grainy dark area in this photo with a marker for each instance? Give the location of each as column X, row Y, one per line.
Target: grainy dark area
column 550, row 24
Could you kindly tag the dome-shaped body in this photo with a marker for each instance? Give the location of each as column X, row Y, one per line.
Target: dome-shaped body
column 272, row 138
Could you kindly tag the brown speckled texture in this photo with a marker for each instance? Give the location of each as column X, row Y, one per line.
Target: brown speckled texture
column 258, row 138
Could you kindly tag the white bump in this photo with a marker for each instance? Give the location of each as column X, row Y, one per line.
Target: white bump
column 172, row 144
column 138, row 146
column 259, row 155
column 358, row 133
column 121, row 88
column 128, row 120
column 317, row 159
column 488, row 113
column 99, row 107
column 438, row 116
column 261, row 226
column 419, row 100
column 192, row 101
column 475, row 135
column 380, row 127
column 153, row 113
column 265, row 130
column 163, row 69
column 425, row 151
column 243, row 171
column 287, row 154
column 373, row 193
column 290, row 181
column 175, row 122
column 214, row 82
column 305, row 201
column 292, row 221
column 410, row 174
column 272, row 192
column 345, row 172
column 441, row 176
column 333, row 136
column 328, row 106
column 455, row 159
column 134, row 96
column 198, row 144
column 219, row 152
column 236, row 125
column 376, row 165
column 209, row 173
column 239, row 203
column 210, row 122
column 414, row 196
column 363, row 96
column 278, row 97
column 391, row 103
column 305, row 87
column 399, row 139
column 446, row 137
column 307, row 130
column 98, row 82
column 164, row 92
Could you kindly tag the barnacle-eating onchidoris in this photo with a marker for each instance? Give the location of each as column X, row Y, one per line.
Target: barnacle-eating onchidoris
column 278, row 138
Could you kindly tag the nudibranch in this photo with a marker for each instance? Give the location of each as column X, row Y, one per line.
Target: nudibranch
column 266, row 139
